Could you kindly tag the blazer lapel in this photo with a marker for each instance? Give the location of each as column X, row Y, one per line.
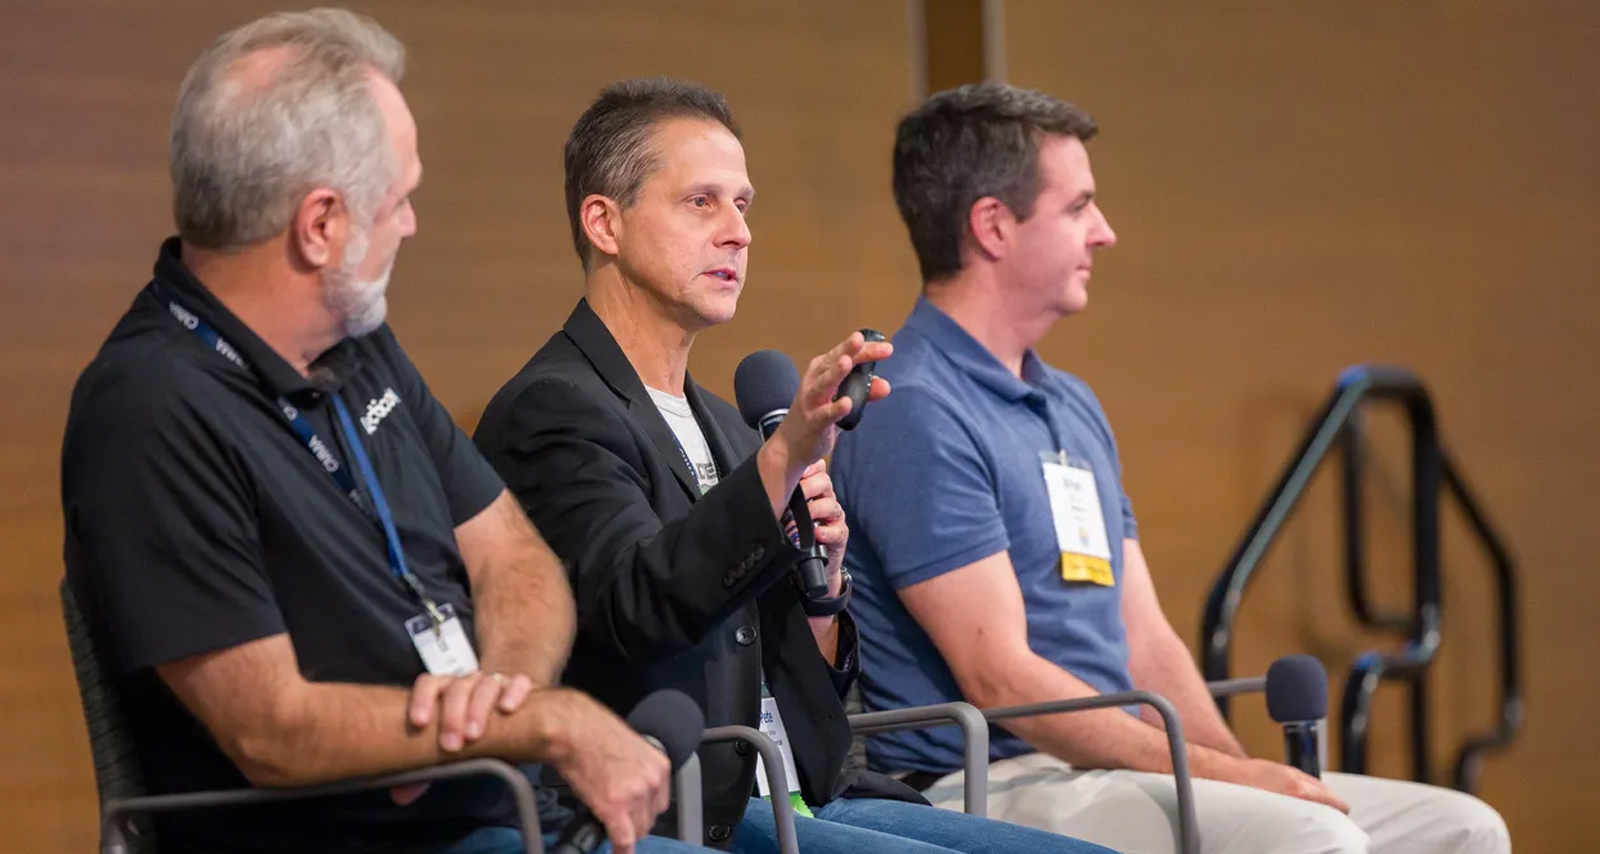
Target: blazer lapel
column 723, row 452
column 591, row 336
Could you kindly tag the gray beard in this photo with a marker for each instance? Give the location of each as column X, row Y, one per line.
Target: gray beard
column 360, row 305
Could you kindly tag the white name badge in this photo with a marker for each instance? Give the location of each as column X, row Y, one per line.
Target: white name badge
column 445, row 652
column 1080, row 524
column 772, row 727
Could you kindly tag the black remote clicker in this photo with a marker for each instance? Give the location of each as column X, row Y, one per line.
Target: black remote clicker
column 857, row 383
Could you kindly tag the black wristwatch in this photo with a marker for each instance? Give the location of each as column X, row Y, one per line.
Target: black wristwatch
column 829, row 607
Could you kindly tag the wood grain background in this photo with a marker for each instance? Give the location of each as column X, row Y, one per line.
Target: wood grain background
column 1296, row 189
column 1300, row 187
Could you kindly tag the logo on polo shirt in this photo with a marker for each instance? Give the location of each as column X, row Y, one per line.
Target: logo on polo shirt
column 379, row 409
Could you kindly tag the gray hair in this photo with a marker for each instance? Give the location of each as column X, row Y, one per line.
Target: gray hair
column 244, row 152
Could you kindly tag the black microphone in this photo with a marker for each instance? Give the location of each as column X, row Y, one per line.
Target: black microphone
column 764, row 385
column 1297, row 698
column 673, row 724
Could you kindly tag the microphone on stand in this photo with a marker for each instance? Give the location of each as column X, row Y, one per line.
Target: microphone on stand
column 673, row 724
column 764, row 385
column 1297, row 698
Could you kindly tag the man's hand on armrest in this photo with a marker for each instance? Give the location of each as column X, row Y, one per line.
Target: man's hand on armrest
column 281, row 730
column 976, row 617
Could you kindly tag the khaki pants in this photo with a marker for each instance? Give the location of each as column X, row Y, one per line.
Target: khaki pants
column 1136, row 812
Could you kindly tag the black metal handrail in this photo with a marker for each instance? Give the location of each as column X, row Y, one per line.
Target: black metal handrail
column 1469, row 759
column 1432, row 473
column 1352, row 468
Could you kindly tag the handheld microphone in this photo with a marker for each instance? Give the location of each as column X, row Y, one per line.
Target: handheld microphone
column 764, row 385
column 1297, row 698
column 673, row 724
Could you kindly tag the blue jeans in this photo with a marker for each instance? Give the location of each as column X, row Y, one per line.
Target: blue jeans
column 505, row 840
column 894, row 827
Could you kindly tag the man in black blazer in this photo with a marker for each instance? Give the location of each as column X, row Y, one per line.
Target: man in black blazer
column 666, row 507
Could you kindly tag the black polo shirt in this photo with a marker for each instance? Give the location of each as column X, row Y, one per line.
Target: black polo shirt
column 197, row 520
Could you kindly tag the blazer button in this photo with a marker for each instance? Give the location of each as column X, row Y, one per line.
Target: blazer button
column 730, row 579
column 720, row 832
column 756, row 555
column 746, row 635
column 742, row 747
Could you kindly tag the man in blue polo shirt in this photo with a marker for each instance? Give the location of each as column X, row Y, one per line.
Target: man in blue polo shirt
column 995, row 555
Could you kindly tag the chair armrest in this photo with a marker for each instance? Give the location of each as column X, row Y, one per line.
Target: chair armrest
column 1235, row 687
column 691, row 801
column 974, row 736
column 115, row 812
column 1188, row 831
column 782, row 810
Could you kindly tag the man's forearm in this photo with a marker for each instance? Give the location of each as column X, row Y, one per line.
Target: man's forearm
column 321, row 732
column 1101, row 738
column 826, row 631
column 1163, row 665
column 526, row 617
column 524, row 608
column 780, row 474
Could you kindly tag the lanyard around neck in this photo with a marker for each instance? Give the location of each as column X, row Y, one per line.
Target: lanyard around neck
column 324, row 454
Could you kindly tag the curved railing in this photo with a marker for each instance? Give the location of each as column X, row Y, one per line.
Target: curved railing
column 1432, row 474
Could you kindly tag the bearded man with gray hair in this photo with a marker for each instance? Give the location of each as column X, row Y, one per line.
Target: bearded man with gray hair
column 305, row 569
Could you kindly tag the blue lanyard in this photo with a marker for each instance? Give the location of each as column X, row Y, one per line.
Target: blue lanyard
column 319, row 449
column 694, row 471
column 380, row 505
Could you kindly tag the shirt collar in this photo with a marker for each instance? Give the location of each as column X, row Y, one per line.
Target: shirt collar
column 277, row 376
column 970, row 357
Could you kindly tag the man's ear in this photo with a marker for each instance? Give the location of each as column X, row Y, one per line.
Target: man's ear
column 991, row 224
column 320, row 227
column 601, row 219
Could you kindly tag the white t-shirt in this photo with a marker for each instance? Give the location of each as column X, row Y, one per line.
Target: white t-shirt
column 680, row 417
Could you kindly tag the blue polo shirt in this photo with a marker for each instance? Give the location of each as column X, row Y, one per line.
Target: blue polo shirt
column 947, row 471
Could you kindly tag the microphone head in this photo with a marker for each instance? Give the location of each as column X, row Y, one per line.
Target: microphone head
column 1297, row 689
column 765, row 381
column 673, row 720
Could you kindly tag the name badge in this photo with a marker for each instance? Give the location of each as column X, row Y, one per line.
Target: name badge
column 1080, row 524
column 772, row 727
column 445, row 651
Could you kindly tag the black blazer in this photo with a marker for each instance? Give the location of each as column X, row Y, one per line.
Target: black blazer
column 673, row 589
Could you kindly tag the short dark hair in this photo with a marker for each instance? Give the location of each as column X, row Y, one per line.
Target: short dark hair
column 966, row 144
column 609, row 150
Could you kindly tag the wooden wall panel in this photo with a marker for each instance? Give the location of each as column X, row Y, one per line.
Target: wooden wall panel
column 1298, row 187
column 86, row 89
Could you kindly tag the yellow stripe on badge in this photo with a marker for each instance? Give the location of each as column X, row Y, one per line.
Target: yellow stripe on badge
column 1095, row 570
